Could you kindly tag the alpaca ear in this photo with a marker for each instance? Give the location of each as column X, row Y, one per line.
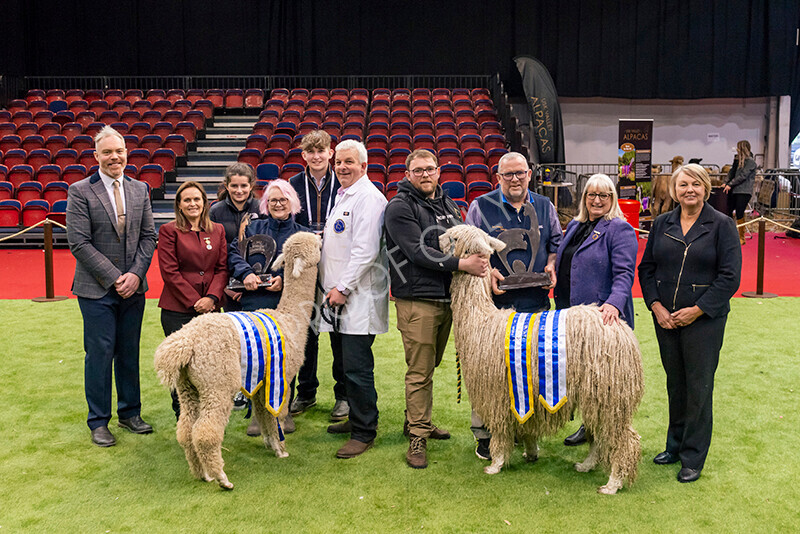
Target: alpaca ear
column 278, row 263
column 299, row 265
column 446, row 243
column 496, row 244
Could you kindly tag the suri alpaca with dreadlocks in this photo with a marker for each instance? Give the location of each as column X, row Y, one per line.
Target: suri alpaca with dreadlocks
column 599, row 367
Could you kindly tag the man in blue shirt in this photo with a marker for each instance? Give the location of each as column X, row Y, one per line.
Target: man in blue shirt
column 500, row 210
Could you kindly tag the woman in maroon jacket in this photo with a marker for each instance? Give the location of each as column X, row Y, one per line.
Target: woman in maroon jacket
column 192, row 256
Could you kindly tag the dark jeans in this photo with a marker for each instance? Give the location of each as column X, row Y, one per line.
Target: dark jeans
column 112, row 327
column 355, row 353
column 306, row 380
column 172, row 321
column 690, row 355
column 738, row 203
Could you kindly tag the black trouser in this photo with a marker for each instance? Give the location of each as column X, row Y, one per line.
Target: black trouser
column 307, row 382
column 112, row 328
column 738, row 203
column 172, row 321
column 690, row 355
column 355, row 353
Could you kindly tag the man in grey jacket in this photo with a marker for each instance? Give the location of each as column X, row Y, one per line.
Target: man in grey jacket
column 111, row 234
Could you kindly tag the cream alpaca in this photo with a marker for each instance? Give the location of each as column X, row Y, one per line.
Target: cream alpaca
column 604, row 373
column 202, row 362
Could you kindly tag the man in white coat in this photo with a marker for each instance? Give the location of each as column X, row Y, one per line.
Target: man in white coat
column 355, row 281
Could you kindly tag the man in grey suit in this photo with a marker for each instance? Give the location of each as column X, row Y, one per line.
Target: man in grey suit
column 111, row 234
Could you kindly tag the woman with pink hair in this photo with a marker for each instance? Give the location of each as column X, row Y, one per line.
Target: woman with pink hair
column 278, row 207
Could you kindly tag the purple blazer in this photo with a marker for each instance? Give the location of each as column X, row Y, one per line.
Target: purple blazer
column 603, row 267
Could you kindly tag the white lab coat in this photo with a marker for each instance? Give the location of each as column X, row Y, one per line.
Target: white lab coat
column 354, row 256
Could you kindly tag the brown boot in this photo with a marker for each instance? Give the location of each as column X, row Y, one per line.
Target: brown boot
column 417, row 456
column 741, row 231
column 353, row 448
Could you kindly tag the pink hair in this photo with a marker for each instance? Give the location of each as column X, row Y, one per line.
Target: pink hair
column 288, row 191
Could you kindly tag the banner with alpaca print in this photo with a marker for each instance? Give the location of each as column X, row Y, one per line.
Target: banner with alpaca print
column 262, row 358
column 519, row 356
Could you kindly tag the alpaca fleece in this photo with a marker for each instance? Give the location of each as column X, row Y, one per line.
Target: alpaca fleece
column 201, row 361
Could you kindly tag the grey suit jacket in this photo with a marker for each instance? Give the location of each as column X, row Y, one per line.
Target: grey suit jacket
column 101, row 255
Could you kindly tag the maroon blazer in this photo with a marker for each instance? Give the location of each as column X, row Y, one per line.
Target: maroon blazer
column 189, row 268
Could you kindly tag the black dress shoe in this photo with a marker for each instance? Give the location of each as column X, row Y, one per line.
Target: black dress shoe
column 578, row 438
column 687, row 474
column 665, row 458
column 135, row 425
column 300, row 405
column 102, row 437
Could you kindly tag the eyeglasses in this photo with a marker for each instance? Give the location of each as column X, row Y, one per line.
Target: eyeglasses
column 278, row 201
column 601, row 196
column 420, row 172
column 508, row 176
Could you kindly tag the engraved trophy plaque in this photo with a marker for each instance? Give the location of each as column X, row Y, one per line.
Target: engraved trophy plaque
column 521, row 275
column 249, row 246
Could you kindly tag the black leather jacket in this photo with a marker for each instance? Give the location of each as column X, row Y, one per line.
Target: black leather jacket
column 702, row 268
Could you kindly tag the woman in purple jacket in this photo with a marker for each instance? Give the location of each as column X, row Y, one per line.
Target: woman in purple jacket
column 596, row 260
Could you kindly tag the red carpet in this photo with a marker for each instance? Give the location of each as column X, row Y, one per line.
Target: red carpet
column 22, row 271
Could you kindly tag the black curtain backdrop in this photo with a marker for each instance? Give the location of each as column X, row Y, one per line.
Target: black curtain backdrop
column 610, row 48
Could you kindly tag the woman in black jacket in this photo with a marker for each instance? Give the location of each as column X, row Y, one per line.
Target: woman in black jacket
column 740, row 181
column 688, row 274
column 235, row 202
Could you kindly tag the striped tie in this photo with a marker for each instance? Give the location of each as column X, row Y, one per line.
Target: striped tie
column 120, row 209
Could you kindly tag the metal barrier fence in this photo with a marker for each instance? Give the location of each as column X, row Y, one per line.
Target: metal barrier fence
column 256, row 81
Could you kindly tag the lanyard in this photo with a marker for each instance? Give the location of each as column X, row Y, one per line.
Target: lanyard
column 330, row 198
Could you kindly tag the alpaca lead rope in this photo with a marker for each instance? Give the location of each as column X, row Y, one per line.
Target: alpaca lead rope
column 458, row 378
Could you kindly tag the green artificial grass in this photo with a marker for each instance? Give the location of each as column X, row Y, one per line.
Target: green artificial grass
column 55, row 480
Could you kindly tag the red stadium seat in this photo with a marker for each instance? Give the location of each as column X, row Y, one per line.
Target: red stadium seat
column 10, row 210
column 451, row 172
column 216, row 97
column 424, row 141
column 73, row 173
column 49, row 129
column 34, row 211
column 391, row 189
column 153, row 175
column 206, row 106
column 257, row 141
column 234, row 99
column 151, row 143
column 139, row 157
column 476, row 173
column 165, row 157
column 43, row 117
column 397, row 156
column 55, row 191
column 80, row 143
column 15, row 156
column 449, row 155
column 38, row 157
column 162, row 106
column 493, row 156
column 176, row 143
column 196, row 117
column 173, row 95
column 251, row 156
column 295, row 155
column 187, row 130
column 276, row 156
column 6, row 190
column 10, row 142
column 476, row 189
column 54, row 143
column 254, row 99
column 48, row 174
column 64, row 157
column 29, row 191
column 377, row 173
column 290, row 169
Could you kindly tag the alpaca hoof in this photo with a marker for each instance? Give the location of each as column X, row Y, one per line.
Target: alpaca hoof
column 226, row 485
column 607, row 490
column 584, row 468
column 281, row 454
column 491, row 469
